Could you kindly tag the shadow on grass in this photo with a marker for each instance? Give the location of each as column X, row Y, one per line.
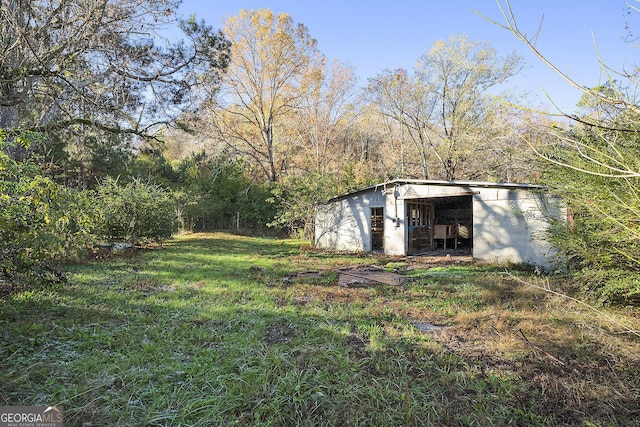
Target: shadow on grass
column 191, row 335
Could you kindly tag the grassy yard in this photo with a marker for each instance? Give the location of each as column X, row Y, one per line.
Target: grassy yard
column 206, row 332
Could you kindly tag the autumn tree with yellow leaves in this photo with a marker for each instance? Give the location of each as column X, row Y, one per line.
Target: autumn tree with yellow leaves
column 274, row 63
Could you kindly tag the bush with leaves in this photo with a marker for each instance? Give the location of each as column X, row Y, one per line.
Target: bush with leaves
column 594, row 169
column 135, row 212
column 297, row 196
column 214, row 189
column 41, row 222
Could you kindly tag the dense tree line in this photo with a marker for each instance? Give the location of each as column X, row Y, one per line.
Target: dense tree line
column 111, row 132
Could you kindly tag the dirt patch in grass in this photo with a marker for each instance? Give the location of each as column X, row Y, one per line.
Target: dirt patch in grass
column 429, row 261
column 571, row 364
column 278, row 332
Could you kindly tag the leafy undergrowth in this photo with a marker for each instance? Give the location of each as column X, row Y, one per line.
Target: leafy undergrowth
column 204, row 331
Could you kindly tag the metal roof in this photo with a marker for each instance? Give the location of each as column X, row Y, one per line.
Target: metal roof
column 471, row 184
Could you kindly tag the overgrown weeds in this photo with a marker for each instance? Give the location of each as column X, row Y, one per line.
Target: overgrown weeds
column 206, row 332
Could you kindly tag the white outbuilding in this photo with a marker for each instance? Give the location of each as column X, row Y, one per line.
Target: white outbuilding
column 496, row 222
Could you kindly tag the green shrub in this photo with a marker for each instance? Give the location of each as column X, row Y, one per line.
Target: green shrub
column 214, row 190
column 612, row 286
column 593, row 170
column 41, row 222
column 135, row 212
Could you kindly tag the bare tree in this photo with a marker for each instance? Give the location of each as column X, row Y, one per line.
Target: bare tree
column 320, row 128
column 616, row 105
column 402, row 98
column 446, row 108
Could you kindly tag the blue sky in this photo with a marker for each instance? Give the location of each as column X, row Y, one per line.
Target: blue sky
column 373, row 35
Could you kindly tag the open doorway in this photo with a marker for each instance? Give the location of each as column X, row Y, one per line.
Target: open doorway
column 440, row 223
column 377, row 229
column 453, row 223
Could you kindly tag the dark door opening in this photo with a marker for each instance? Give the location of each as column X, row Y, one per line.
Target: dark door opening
column 453, row 227
column 440, row 223
column 377, row 229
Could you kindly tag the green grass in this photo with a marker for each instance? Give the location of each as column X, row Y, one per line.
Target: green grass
column 204, row 331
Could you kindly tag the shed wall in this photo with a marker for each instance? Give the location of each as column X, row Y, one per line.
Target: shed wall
column 345, row 224
column 508, row 225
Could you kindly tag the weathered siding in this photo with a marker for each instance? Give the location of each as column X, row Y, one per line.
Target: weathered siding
column 346, row 224
column 508, row 225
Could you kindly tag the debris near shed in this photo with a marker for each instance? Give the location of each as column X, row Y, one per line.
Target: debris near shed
column 352, row 277
column 364, row 275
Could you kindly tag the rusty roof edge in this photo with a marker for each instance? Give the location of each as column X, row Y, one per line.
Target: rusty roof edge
column 395, row 182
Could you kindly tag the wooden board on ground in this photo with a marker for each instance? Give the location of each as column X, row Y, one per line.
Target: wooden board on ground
column 366, row 275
